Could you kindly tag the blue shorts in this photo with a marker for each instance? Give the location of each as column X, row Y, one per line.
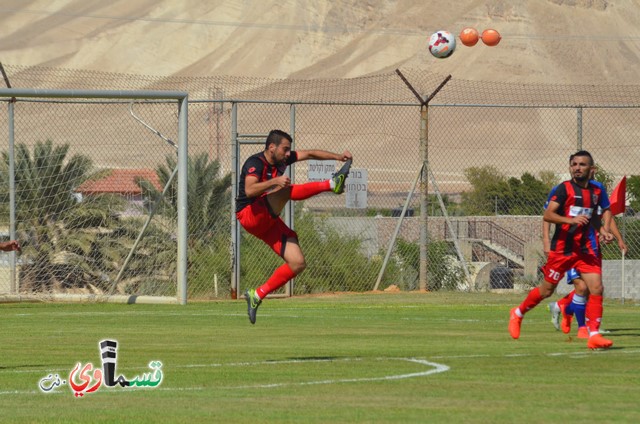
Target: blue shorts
column 572, row 274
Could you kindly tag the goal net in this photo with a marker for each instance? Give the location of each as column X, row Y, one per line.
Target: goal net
column 91, row 188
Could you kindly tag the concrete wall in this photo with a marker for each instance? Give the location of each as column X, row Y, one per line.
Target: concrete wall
column 375, row 234
column 612, row 275
column 528, row 228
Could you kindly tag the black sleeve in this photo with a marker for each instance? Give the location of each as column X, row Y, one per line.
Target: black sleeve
column 293, row 157
column 559, row 196
column 253, row 166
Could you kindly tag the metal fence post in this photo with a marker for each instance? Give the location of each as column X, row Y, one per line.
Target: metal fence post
column 424, row 193
column 579, row 128
column 13, row 284
column 235, row 228
column 183, row 167
column 289, row 208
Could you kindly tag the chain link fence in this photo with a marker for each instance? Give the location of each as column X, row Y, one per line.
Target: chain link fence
column 493, row 150
column 84, row 190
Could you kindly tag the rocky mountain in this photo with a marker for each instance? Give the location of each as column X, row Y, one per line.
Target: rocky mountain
column 559, row 41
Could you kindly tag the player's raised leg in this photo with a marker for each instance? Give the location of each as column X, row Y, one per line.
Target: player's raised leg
column 278, row 199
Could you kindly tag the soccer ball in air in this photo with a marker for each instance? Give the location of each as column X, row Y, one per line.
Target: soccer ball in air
column 442, row 44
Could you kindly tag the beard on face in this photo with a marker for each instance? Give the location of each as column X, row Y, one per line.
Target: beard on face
column 581, row 178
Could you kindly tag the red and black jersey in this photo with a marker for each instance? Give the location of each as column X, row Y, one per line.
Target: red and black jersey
column 574, row 201
column 258, row 166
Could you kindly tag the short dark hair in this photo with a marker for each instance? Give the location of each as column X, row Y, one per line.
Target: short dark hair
column 581, row 153
column 276, row 137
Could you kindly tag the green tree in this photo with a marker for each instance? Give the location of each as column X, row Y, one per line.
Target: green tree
column 208, row 196
column 332, row 258
column 605, row 178
column 208, row 223
column 488, row 185
column 44, row 181
column 436, row 210
column 57, row 230
column 493, row 193
column 443, row 269
column 335, row 261
column 527, row 195
column 152, row 267
column 549, row 178
column 633, row 192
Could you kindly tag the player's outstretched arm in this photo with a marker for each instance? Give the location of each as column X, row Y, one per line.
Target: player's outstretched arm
column 323, row 155
column 613, row 229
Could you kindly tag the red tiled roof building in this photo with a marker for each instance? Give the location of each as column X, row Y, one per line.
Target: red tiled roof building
column 120, row 181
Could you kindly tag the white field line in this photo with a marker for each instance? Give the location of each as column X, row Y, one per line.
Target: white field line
column 435, row 368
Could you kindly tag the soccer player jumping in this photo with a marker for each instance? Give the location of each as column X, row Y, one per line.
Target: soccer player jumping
column 263, row 191
column 575, row 244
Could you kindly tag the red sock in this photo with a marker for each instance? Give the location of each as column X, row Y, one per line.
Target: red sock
column 567, row 299
column 593, row 313
column 531, row 301
column 278, row 279
column 304, row 191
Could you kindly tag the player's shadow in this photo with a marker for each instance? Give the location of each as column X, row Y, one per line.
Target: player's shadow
column 17, row 367
column 314, row 358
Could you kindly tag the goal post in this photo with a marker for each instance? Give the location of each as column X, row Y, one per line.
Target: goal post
column 86, row 257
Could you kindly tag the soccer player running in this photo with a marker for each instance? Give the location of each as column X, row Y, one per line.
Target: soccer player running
column 263, row 191
column 573, row 208
column 573, row 304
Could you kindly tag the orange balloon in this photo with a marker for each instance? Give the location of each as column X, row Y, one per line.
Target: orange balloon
column 491, row 37
column 469, row 36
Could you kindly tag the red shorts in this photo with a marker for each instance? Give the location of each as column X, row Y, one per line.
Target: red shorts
column 558, row 264
column 258, row 219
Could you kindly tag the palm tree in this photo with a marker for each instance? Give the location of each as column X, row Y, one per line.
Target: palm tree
column 151, row 268
column 57, row 231
column 208, row 223
column 208, row 195
column 44, row 182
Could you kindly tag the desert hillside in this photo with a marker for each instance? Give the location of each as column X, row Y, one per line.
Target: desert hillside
column 559, row 41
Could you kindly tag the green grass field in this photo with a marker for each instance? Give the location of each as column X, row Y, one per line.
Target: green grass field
column 398, row 358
